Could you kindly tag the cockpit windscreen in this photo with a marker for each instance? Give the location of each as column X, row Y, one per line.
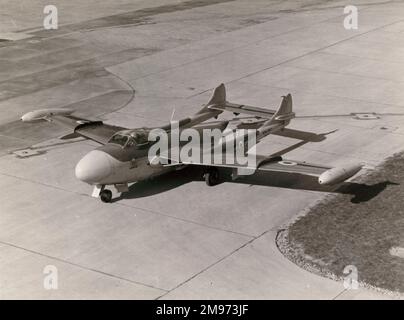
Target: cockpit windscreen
column 119, row 139
column 137, row 138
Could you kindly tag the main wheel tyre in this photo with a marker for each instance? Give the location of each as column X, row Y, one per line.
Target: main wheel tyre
column 106, row 196
column 212, row 177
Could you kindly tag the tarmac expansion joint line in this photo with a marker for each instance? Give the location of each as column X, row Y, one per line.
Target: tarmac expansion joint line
column 128, row 206
column 80, row 266
column 233, row 49
column 214, row 263
column 304, row 54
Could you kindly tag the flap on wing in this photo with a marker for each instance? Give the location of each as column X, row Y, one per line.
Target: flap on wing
column 97, row 131
column 300, row 135
column 93, row 130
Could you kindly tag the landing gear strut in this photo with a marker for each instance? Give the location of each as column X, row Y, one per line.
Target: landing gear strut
column 106, row 195
column 212, row 176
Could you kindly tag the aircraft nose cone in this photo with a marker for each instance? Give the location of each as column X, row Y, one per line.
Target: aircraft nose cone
column 93, row 167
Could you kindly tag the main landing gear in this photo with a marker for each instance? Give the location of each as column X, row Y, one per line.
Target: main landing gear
column 212, row 176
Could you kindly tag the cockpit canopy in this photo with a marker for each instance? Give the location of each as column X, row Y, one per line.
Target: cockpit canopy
column 131, row 138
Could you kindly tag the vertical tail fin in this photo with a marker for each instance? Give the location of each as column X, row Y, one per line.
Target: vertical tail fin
column 285, row 107
column 280, row 119
column 218, row 98
column 284, row 113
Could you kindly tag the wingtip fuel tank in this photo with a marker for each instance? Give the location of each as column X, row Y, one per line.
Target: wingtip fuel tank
column 339, row 174
column 45, row 113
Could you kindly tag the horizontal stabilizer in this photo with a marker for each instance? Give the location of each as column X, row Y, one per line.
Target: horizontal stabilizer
column 244, row 109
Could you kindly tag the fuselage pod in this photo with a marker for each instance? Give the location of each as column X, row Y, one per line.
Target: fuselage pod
column 339, row 174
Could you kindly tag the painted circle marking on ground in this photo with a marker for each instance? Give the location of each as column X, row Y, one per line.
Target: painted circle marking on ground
column 287, row 163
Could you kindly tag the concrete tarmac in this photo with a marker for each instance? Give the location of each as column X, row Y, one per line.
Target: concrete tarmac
column 130, row 63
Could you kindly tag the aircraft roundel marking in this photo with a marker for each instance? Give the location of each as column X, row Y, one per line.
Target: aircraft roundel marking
column 287, row 163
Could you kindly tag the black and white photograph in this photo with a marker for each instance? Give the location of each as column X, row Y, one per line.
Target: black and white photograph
column 209, row 150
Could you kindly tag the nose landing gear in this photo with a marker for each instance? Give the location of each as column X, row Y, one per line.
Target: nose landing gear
column 100, row 192
column 106, row 195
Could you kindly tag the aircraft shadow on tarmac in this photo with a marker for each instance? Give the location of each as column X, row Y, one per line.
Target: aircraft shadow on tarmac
column 361, row 192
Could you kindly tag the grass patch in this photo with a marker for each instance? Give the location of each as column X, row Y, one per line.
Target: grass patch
column 338, row 231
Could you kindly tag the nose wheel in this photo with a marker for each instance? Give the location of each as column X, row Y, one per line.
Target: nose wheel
column 106, row 195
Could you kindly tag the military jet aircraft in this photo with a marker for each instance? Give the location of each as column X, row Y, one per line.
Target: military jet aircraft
column 123, row 157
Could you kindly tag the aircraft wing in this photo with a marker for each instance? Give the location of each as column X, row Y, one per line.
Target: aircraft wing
column 90, row 129
column 292, row 166
column 263, row 163
column 326, row 175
